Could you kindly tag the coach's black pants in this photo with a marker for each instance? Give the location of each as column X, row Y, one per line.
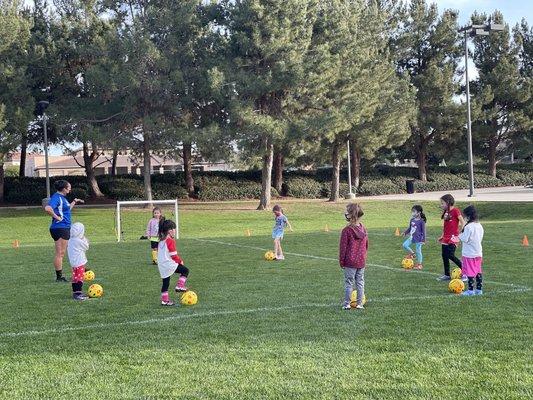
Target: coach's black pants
column 448, row 253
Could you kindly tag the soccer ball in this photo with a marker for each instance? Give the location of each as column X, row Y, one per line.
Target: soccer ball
column 95, row 290
column 270, row 256
column 89, row 275
column 353, row 299
column 189, row 298
column 457, row 273
column 456, row 286
column 408, row 263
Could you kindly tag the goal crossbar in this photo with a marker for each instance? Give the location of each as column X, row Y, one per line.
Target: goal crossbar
column 144, row 202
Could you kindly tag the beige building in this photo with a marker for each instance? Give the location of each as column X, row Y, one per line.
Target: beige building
column 127, row 163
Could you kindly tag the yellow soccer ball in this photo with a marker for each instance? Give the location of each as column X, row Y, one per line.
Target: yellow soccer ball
column 88, row 275
column 456, row 286
column 408, row 263
column 457, row 273
column 189, row 298
column 95, row 290
column 270, row 256
column 353, row 299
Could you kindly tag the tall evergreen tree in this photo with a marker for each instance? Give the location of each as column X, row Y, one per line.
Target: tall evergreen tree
column 500, row 94
column 268, row 41
column 427, row 46
column 16, row 103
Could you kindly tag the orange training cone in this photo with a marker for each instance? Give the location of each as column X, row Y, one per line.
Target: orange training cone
column 16, row 244
column 525, row 241
column 397, row 232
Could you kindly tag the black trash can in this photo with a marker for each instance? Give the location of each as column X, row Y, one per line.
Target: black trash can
column 410, row 186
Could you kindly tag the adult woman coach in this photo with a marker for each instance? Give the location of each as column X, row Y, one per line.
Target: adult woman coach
column 59, row 209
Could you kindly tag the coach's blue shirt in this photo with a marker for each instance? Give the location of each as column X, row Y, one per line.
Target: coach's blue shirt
column 61, row 207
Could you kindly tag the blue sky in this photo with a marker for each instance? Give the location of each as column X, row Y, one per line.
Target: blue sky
column 513, row 10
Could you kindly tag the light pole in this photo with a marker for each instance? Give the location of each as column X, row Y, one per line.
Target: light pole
column 42, row 106
column 351, row 195
column 473, row 30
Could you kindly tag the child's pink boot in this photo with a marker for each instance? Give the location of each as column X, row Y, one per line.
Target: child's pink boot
column 181, row 285
column 165, row 301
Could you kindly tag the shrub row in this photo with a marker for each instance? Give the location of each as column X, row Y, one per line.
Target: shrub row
column 223, row 185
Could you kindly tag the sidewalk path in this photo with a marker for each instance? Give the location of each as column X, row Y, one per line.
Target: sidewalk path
column 508, row 193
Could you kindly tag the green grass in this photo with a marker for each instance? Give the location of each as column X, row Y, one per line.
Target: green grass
column 265, row 330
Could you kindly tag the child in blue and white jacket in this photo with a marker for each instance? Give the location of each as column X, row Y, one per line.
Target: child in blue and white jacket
column 281, row 221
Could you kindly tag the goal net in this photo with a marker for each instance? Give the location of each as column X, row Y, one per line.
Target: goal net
column 131, row 217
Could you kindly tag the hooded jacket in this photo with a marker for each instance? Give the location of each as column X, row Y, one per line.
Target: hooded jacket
column 353, row 247
column 77, row 245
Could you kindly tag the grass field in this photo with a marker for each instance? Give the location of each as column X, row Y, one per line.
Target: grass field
column 265, row 330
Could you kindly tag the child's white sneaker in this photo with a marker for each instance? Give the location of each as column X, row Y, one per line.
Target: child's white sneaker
column 346, row 307
column 280, row 258
column 359, row 307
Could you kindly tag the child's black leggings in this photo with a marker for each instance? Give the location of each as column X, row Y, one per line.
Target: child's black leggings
column 448, row 253
column 182, row 270
column 479, row 282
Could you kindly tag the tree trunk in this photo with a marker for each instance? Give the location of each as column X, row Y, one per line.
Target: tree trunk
column 187, row 168
column 114, row 163
column 23, row 154
column 355, row 163
column 279, row 160
column 147, row 164
column 88, row 164
column 266, row 174
column 421, row 160
column 1, row 182
column 335, row 175
column 492, row 158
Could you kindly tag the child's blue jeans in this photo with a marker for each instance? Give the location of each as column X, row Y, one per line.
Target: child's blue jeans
column 418, row 249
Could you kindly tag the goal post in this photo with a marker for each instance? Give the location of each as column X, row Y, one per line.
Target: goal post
column 120, row 204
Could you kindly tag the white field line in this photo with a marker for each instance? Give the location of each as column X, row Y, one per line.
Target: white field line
column 369, row 264
column 230, row 312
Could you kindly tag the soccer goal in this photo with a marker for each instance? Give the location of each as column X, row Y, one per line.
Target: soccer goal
column 132, row 216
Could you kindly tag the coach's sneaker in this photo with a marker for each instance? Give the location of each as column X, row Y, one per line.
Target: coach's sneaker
column 468, row 293
column 79, row 296
column 167, row 303
column 444, row 278
column 478, row 292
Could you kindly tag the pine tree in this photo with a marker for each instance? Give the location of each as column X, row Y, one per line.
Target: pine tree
column 16, row 103
column 268, row 41
column 500, row 94
column 427, row 47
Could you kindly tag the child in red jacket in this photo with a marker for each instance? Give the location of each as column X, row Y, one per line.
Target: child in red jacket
column 352, row 255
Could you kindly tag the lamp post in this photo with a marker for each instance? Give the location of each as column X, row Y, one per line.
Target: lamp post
column 42, row 106
column 351, row 195
column 473, row 30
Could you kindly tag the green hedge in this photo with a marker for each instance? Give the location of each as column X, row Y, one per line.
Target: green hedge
column 241, row 185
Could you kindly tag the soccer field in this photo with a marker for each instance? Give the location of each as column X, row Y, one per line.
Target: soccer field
column 266, row 330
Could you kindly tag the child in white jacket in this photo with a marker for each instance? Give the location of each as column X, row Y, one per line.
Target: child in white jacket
column 472, row 260
column 77, row 246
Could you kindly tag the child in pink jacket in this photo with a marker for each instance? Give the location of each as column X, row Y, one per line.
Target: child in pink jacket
column 352, row 255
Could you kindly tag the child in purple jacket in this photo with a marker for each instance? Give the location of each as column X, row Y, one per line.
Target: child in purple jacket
column 416, row 233
column 353, row 248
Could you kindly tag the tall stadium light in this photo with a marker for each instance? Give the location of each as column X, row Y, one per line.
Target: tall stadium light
column 473, row 30
column 41, row 108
